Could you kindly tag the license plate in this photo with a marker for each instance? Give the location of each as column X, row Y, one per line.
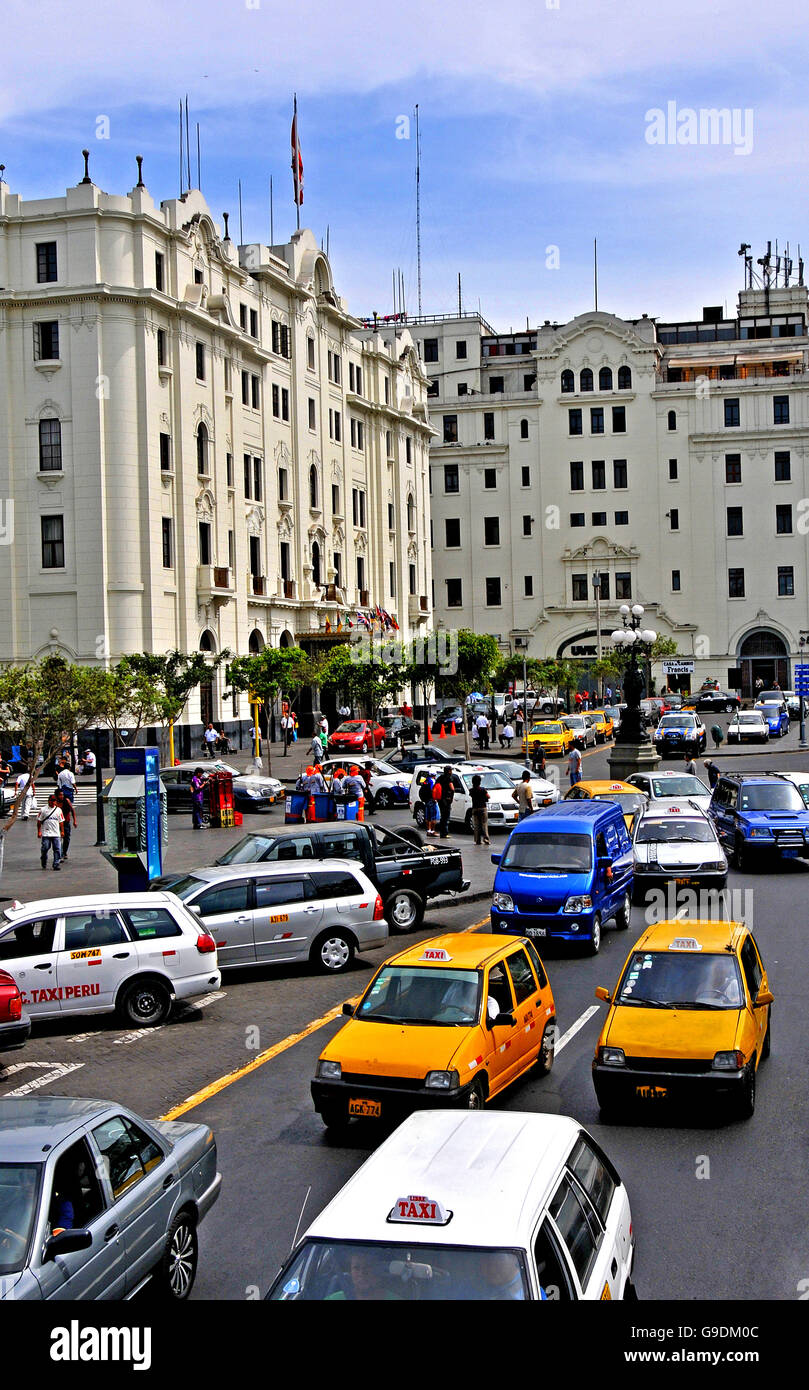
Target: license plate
column 651, row 1092
column 536, row 931
column 371, row 1109
column 682, row 880
column 789, row 853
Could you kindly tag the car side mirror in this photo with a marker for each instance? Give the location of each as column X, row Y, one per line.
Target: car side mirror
column 196, row 909
column 496, row 858
column 503, row 1019
column 348, row 1009
column 65, row 1243
column 603, row 994
column 763, row 997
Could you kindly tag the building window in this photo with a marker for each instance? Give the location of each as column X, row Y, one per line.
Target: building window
column 254, row 323
column 46, row 262
column 598, row 518
column 200, row 355
column 586, row 380
column 165, row 453
column 735, row 521
column 338, row 568
column 229, row 469
column 386, row 380
column 527, row 525
column 430, row 349
column 619, row 473
column 50, row 446
column 231, row 552
column 450, row 429
column 388, row 444
column 454, row 593
column 731, row 412
column 579, row 588
column 523, row 429
column 248, row 474
column 529, row 381
column 283, row 485
column 463, row 388
column 335, row 499
column 337, row 367
column 605, row 379
column 493, row 599
column 159, row 271
column 574, row 425
column 624, row 379
column 361, row 498
column 672, row 419
column 258, row 490
column 675, row 581
column 623, row 585
column 783, row 470
column 53, row 542
column 411, row 576
column 276, row 336
column 568, row 381
column 672, row 470
column 351, row 381
column 411, row 514
column 245, row 388
column 735, row 583
column 460, row 349
column 255, row 392
column 161, row 347
column 622, row 518
column 488, row 424
column 525, row 474
column 490, row 478
column 202, row 448
column 604, row 588
column 599, row 474
column 392, row 517
column 451, row 480
column 284, row 403
column 674, row 519
column 577, row 476
column 310, row 354
column 286, row 350
column 255, row 556
column 408, row 449
column 491, row 530
column 432, row 388
column 168, row 544
column 391, row 578
column 596, row 419
column 198, row 277
column 783, row 520
column 733, row 468
column 285, row 569
column 276, row 401
column 496, row 385
column 312, row 413
column 619, row 419
column 786, row 581
column 313, row 490
column 780, row 410
column 46, row 342
column 577, row 519
column 243, row 317
column 528, row 586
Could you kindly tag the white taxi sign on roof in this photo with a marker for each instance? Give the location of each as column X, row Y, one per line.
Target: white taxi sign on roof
column 423, row 1210
column 616, row 786
column 435, row 953
column 685, row 943
column 674, row 810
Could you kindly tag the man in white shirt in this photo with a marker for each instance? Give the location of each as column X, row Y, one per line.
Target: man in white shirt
column 29, row 800
column 50, row 822
column 574, row 766
column 66, row 781
column 88, row 762
column 323, row 725
column 482, row 726
column 209, row 738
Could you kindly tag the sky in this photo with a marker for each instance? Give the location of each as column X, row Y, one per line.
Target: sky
column 538, row 135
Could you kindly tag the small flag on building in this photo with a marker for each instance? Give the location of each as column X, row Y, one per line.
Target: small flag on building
column 297, row 161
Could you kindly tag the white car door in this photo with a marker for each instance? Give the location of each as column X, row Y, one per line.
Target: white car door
column 28, row 952
column 226, row 911
column 96, row 957
column 162, row 944
column 286, row 917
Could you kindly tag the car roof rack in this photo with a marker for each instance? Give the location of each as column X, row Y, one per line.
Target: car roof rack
column 752, row 772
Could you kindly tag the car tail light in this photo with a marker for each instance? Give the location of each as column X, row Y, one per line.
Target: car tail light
column 379, row 910
column 10, row 1003
column 205, row 943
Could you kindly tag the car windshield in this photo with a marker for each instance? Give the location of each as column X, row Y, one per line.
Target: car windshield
column 770, row 796
column 771, row 707
column 684, row 786
column 749, row 717
column 628, row 801
column 19, row 1199
column 770, row 697
column 326, row 1270
column 672, row 829
column 680, row 977
column 548, row 852
column 249, row 850
column 677, row 721
column 184, row 887
column 575, row 721
column 546, row 728
column 513, row 770
column 415, row 994
column 491, row 780
column 353, row 726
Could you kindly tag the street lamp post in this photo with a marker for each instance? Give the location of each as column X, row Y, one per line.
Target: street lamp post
column 632, row 750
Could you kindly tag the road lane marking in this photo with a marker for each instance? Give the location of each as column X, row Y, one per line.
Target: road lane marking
column 267, row 1056
column 54, row 1071
column 187, row 1006
column 576, row 1027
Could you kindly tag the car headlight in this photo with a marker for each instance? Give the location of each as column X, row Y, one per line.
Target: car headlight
column 582, row 903
column 254, row 793
column 719, row 865
column 330, row 1071
column 612, row 1057
column 441, row 1080
column 727, row 1061
column 761, row 833
column 503, row 902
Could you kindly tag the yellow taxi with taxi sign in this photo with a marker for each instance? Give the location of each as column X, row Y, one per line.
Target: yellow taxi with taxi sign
column 603, row 722
column 689, row 1017
column 631, row 801
column 451, row 1022
column 551, row 735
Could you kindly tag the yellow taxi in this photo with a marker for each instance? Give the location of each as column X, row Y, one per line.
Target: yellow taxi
column 630, row 799
column 690, row 1017
column 450, row 1021
column 604, row 725
column 553, row 735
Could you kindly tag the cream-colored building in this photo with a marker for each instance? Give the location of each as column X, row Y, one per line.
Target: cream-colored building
column 203, row 447
column 670, row 458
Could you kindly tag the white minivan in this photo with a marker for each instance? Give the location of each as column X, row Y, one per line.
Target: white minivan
column 472, row 1205
column 501, row 805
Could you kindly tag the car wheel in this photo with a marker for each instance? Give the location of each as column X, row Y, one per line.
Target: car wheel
column 419, row 815
column 594, row 944
column 547, row 1050
column 365, row 748
column 476, row 1096
column 145, row 1004
column 623, row 914
column 404, row 911
column 766, row 1046
column 174, row 1276
column 746, row 1102
column 383, row 800
column 333, row 1116
column 739, row 854
column 332, row 953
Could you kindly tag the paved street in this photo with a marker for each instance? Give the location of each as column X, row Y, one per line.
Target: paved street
column 273, row 1148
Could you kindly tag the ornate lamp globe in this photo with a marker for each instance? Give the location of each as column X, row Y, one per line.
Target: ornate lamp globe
column 624, row 610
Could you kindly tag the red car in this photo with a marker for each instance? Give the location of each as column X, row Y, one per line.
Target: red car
column 357, row 736
column 15, row 1025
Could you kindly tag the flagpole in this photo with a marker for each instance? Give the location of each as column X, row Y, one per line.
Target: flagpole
column 297, row 164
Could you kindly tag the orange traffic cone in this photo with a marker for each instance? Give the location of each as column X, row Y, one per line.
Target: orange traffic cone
column 361, row 808
column 443, row 732
column 453, row 731
column 429, row 735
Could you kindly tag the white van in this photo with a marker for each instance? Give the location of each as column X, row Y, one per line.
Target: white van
column 474, row 1205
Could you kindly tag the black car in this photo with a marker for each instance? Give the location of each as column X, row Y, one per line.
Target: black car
column 249, row 793
column 400, row 727
column 406, row 759
column 716, row 700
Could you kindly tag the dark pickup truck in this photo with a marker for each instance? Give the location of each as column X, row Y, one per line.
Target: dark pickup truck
column 405, row 871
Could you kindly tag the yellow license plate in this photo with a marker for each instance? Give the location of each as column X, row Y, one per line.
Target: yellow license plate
column 371, row 1109
column 651, row 1092
column 682, row 880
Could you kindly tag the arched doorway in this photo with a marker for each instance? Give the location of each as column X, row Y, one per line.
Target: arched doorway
column 207, row 643
column 764, row 656
column 255, row 642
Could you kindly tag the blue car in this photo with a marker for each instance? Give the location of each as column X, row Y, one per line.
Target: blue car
column 756, row 812
column 564, row 872
column 776, row 715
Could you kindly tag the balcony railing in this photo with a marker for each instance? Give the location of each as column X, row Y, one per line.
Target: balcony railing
column 214, row 580
column 258, row 585
column 365, row 598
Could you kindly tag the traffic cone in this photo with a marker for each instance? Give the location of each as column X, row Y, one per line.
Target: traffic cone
column 453, row 731
column 443, row 732
column 429, row 734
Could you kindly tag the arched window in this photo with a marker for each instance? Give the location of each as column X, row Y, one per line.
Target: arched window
column 605, row 379
column 411, row 513
column 202, row 448
column 315, row 563
column 586, row 380
column 523, row 429
column 207, row 642
column 286, row 639
column 313, row 489
column 255, row 642
column 672, row 419
column 624, row 379
column 568, row 381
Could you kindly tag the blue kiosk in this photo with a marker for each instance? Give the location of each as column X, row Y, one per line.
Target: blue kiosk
column 136, row 818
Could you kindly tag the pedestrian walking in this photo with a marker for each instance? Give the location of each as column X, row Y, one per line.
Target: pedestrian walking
column 538, row 759
column 209, row 737
column 69, row 812
column 482, row 726
column 445, row 805
column 50, row 823
column 24, row 784
column 609, row 695
column 519, row 721
column 713, row 773
column 523, row 794
column 690, row 764
column 316, row 748
column 429, row 803
column 197, row 797
column 287, row 729
column 480, row 815
column 66, row 781
column 574, row 766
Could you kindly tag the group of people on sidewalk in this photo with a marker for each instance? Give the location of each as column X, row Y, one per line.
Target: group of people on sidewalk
column 55, row 821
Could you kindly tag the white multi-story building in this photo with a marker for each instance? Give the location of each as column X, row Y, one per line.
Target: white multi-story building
column 203, row 448
column 671, row 459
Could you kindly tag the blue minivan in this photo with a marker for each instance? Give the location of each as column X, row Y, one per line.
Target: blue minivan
column 564, row 871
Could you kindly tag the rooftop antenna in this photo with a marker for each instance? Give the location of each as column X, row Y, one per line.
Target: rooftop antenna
column 187, row 143
column 328, row 238
column 595, row 271
column 460, row 309
column 418, row 207
column 181, row 149
column 744, row 250
column 393, row 275
column 800, row 265
column 272, row 230
column 241, row 224
column 199, row 161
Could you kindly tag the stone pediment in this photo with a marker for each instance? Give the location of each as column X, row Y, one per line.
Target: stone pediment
column 601, row 548
column 596, row 328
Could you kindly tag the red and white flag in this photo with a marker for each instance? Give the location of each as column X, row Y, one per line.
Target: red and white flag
column 297, row 162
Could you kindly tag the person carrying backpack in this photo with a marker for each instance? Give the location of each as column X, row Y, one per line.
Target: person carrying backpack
column 446, row 794
column 428, row 801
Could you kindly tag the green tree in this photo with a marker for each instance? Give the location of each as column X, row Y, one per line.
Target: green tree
column 368, row 675
column 159, row 684
column 478, row 656
column 271, row 672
